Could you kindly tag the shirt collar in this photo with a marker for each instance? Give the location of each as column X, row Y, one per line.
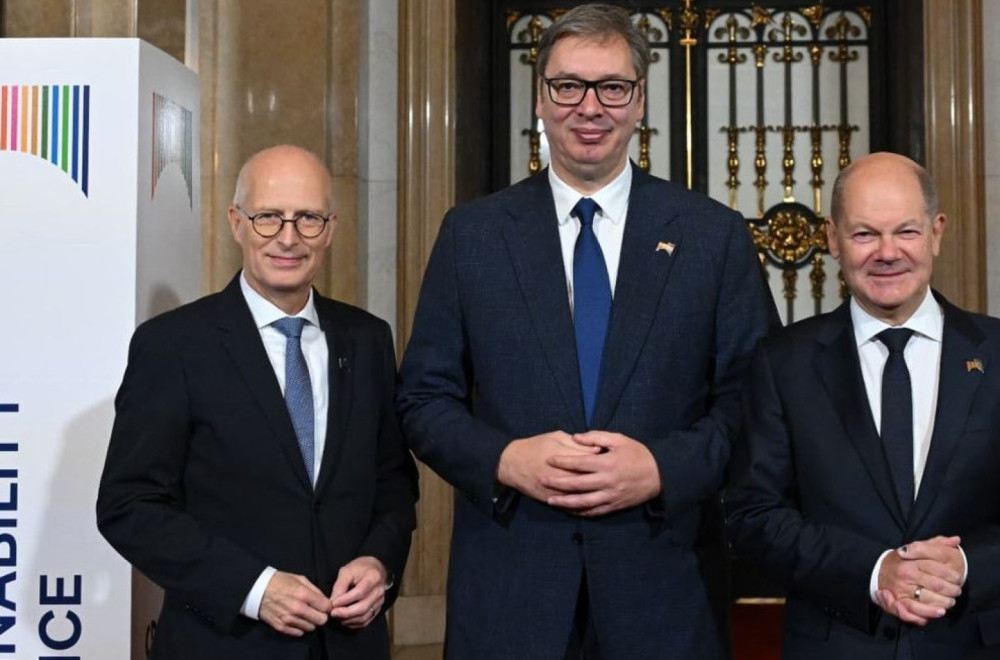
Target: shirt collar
column 612, row 198
column 927, row 320
column 265, row 312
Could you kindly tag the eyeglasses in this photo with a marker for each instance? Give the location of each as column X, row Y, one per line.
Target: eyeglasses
column 572, row 91
column 269, row 224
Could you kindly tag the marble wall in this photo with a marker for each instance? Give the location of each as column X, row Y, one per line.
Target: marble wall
column 321, row 74
column 991, row 149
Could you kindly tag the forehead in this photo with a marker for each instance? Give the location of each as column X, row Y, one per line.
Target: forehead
column 590, row 57
column 884, row 195
column 288, row 185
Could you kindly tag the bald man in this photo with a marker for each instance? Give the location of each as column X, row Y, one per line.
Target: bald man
column 256, row 469
column 867, row 485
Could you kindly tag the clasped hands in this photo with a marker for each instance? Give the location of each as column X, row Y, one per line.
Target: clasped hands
column 587, row 474
column 921, row 581
column 294, row 606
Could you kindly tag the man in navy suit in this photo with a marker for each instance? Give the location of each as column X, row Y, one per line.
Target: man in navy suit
column 574, row 372
column 256, row 469
column 868, row 482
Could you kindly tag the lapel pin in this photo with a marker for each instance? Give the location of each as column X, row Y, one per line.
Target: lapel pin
column 975, row 364
column 665, row 247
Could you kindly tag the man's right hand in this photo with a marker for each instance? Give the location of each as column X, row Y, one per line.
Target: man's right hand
column 933, row 566
column 525, row 462
column 293, row 605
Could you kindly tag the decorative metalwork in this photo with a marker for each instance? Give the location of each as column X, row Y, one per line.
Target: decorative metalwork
column 790, row 236
column 689, row 25
column 644, row 134
column 814, row 14
column 760, row 16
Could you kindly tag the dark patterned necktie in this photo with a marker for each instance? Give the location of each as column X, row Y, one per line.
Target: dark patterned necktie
column 897, row 415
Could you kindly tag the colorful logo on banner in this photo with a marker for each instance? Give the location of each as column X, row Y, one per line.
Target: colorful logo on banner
column 173, row 141
column 51, row 122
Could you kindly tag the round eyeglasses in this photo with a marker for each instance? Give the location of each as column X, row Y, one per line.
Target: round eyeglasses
column 610, row 93
column 268, row 224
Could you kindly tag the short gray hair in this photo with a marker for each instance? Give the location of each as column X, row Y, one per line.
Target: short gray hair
column 600, row 22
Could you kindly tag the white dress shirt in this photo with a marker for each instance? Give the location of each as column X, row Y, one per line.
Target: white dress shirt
column 316, row 352
column 609, row 221
column 923, row 360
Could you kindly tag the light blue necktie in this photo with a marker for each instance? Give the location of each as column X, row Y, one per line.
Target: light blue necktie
column 591, row 304
column 298, row 388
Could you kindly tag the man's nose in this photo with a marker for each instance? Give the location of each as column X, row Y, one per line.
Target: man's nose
column 888, row 250
column 590, row 105
column 288, row 235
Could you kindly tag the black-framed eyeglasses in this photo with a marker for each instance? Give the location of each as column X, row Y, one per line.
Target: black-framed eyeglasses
column 268, row 224
column 611, row 93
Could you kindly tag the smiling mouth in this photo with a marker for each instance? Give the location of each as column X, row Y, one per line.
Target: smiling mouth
column 281, row 260
column 590, row 134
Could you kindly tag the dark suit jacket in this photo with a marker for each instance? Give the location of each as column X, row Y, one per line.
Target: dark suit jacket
column 812, row 500
column 492, row 358
column 204, row 485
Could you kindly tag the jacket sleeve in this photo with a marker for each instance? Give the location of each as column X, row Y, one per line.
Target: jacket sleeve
column 692, row 462
column 828, row 565
column 394, row 516
column 434, row 398
column 140, row 503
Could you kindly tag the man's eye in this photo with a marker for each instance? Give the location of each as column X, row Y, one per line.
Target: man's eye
column 567, row 86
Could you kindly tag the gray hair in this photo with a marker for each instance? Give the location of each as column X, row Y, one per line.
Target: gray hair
column 599, row 22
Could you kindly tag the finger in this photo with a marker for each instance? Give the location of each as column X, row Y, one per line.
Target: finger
column 934, row 599
column 937, row 548
column 598, row 438
column 581, row 501
column 936, row 575
column 360, row 609
column 575, row 483
column 567, row 442
column 576, row 462
column 920, row 610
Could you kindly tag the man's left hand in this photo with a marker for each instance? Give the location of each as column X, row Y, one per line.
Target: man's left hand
column 359, row 592
column 622, row 476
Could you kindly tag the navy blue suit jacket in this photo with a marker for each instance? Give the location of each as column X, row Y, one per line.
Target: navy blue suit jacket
column 204, row 484
column 493, row 358
column 813, row 502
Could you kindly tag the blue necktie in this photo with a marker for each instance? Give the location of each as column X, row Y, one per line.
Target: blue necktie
column 897, row 415
column 591, row 303
column 298, row 388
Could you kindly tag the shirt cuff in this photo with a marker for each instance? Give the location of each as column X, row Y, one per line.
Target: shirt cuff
column 965, row 571
column 251, row 605
column 873, row 582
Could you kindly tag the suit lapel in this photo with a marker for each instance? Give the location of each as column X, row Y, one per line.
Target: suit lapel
column 241, row 340
column 532, row 240
column 642, row 274
column 341, row 382
column 957, row 387
column 839, row 369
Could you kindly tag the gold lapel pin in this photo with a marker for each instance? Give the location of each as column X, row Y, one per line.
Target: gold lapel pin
column 665, row 247
column 975, row 364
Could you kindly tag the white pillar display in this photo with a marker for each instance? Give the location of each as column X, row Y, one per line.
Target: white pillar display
column 99, row 229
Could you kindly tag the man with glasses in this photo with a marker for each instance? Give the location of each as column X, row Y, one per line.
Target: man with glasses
column 574, row 372
column 256, row 470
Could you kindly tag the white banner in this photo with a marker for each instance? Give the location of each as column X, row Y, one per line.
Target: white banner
column 99, row 228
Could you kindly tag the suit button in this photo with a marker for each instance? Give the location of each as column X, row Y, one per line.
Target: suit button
column 577, row 538
column 888, row 632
